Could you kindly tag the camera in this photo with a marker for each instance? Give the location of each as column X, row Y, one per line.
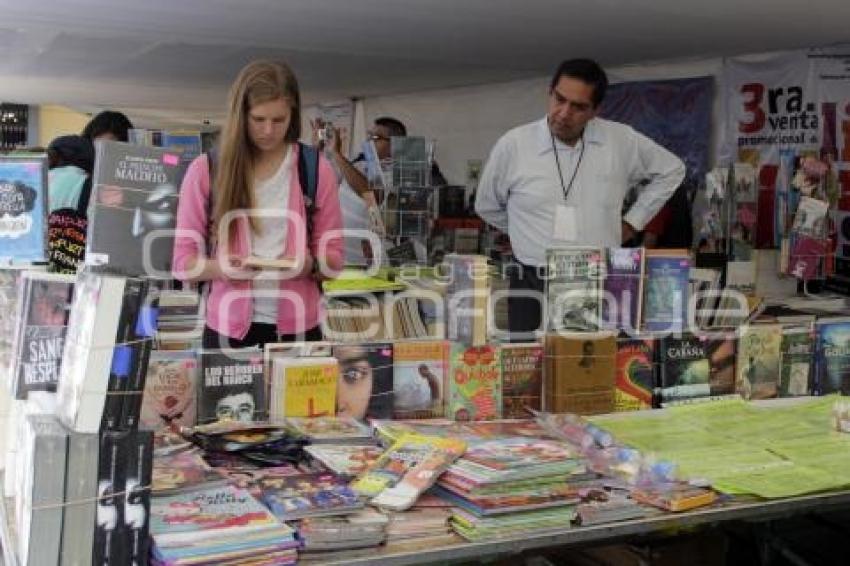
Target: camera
column 326, row 133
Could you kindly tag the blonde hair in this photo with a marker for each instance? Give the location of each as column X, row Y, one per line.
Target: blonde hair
column 257, row 83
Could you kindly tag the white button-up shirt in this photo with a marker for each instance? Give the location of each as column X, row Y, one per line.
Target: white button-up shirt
column 520, row 189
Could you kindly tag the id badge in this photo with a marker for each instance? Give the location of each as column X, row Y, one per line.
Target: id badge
column 565, row 225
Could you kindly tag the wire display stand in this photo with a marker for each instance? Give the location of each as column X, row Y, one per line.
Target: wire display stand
column 409, row 200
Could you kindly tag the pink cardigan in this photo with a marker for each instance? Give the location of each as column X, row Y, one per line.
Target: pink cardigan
column 230, row 306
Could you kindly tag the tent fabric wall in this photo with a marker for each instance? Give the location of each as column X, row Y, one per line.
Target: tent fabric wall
column 466, row 122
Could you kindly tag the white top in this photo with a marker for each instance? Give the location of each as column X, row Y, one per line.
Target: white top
column 271, row 198
column 520, row 190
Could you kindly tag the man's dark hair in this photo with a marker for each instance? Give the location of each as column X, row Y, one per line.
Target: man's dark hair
column 586, row 70
column 395, row 127
column 108, row 121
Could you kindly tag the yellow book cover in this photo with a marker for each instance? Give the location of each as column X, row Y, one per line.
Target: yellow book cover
column 310, row 390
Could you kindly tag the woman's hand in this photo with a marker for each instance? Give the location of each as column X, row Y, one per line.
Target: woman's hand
column 233, row 268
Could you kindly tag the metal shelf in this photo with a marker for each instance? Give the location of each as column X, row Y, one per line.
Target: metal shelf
column 610, row 532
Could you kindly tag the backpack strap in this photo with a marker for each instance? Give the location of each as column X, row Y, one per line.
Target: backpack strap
column 308, row 175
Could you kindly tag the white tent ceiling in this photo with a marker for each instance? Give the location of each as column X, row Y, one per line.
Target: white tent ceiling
column 172, row 60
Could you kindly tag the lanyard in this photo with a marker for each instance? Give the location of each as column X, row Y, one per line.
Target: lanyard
column 568, row 187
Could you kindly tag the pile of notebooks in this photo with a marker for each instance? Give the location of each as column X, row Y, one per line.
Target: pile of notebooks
column 218, row 525
column 512, row 484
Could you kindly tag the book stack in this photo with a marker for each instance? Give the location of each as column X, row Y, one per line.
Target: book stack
column 105, row 359
column 423, row 524
column 217, row 526
column 511, row 475
column 359, row 530
column 476, row 528
column 406, row 469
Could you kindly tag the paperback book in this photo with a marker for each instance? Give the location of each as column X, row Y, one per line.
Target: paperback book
column 171, row 389
column 420, row 370
column 303, row 387
column 23, row 209
column 313, row 495
column 467, row 297
column 665, row 307
column 522, row 379
column 407, row 469
column 759, row 361
column 635, row 381
column 685, row 369
column 365, row 384
column 832, row 356
column 574, row 284
column 40, row 331
column 344, row 460
column 580, row 372
column 330, row 430
column 624, row 289
column 133, row 209
column 475, row 391
column 232, row 386
column 797, row 355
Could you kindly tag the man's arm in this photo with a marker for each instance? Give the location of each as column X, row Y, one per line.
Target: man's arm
column 665, row 173
column 491, row 197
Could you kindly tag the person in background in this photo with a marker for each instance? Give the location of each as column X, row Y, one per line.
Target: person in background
column 561, row 181
column 256, row 169
column 70, row 162
column 358, row 177
column 108, row 125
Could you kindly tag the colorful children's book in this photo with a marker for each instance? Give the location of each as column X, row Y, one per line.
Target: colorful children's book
column 522, row 379
column 202, row 515
column 759, row 361
column 475, row 391
column 344, row 460
column 312, row 495
column 635, row 374
column 419, row 379
column 408, row 468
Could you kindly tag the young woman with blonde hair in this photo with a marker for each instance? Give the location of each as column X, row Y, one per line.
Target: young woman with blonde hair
column 256, row 206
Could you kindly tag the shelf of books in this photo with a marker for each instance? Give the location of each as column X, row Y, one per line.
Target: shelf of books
column 651, row 398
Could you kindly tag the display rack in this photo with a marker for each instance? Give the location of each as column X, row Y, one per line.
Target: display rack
column 8, row 541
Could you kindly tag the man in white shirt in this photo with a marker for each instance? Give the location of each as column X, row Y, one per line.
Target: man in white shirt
column 561, row 181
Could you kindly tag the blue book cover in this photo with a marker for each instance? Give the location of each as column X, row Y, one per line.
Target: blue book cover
column 23, row 209
column 833, row 357
column 666, row 292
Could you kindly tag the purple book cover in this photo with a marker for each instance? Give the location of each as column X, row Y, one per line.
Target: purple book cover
column 623, row 296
